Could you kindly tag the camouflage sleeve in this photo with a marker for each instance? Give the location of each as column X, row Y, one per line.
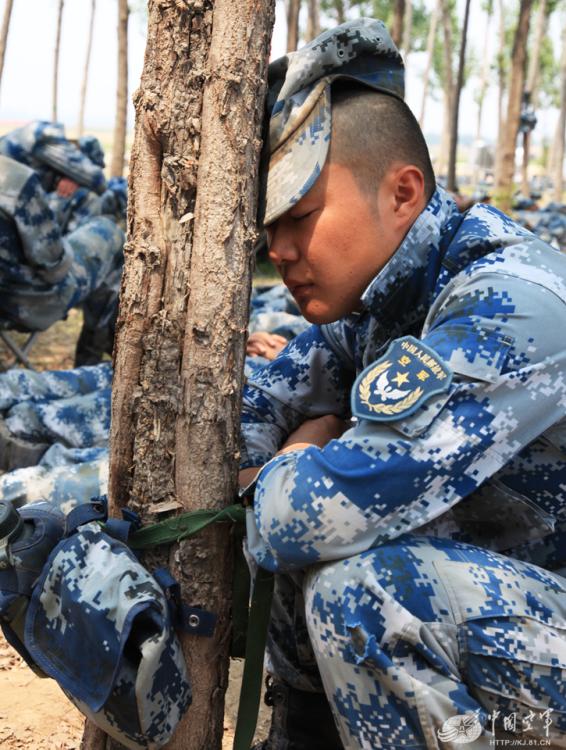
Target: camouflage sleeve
column 384, row 478
column 306, row 380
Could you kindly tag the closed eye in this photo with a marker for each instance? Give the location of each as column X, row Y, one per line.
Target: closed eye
column 299, row 217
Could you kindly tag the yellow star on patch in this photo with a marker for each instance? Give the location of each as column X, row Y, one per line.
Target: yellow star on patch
column 401, row 378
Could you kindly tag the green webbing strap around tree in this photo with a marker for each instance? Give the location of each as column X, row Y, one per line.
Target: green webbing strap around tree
column 186, row 524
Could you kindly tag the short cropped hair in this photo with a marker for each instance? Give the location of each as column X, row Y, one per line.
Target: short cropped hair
column 371, row 131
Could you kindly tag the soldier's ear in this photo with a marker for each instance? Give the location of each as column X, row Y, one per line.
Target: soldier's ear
column 409, row 191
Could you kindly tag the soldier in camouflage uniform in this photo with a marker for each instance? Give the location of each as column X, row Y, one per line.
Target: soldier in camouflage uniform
column 77, row 202
column 408, row 448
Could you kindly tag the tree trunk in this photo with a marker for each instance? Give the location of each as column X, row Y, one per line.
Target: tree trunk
column 340, row 12
column 184, row 305
column 81, row 125
column 504, row 185
column 451, row 181
column 56, row 60
column 534, row 57
column 531, row 87
column 561, row 128
column 429, row 55
column 4, row 34
column 293, row 8
column 313, row 20
column 484, row 71
column 397, row 23
column 483, row 86
column 448, row 89
column 121, row 122
column 502, row 83
column 407, row 31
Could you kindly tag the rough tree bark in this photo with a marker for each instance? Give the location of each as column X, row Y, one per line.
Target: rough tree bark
column 81, row 125
column 56, row 61
column 504, row 183
column 313, row 20
column 293, row 9
column 397, row 22
column 181, row 334
column 429, row 56
column 452, row 151
column 561, row 128
column 121, row 121
column 4, row 34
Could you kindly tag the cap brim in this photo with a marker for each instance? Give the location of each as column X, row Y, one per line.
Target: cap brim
column 296, row 165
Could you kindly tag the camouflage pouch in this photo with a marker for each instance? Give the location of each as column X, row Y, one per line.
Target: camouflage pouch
column 100, row 625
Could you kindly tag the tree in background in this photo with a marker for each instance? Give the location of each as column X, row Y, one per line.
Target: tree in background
column 121, row 121
column 4, row 33
column 293, row 10
column 445, row 72
column 56, row 61
column 561, row 127
column 81, row 124
column 313, row 20
column 398, row 21
column 181, row 334
column 451, row 178
column 504, row 178
column 430, row 44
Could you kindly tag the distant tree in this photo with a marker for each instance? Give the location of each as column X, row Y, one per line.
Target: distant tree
column 407, row 31
column 501, row 66
column 398, row 20
column 431, row 38
column 504, row 180
column 561, row 127
column 313, row 20
column 121, row 121
column 56, row 60
column 538, row 75
column 485, row 64
column 4, row 34
column 293, row 9
column 336, row 9
column 451, row 180
column 446, row 74
column 81, row 124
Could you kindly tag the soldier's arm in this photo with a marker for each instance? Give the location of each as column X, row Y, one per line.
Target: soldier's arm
column 307, row 380
column 384, row 478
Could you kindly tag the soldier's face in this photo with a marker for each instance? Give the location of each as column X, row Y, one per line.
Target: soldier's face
column 330, row 245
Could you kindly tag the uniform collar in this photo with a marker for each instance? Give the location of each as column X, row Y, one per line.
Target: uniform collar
column 400, row 293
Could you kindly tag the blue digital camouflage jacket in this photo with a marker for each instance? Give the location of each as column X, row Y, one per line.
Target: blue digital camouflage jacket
column 455, row 373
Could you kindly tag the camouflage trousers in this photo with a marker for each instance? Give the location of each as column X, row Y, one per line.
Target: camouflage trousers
column 427, row 643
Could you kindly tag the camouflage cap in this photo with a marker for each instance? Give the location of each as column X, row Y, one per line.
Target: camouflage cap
column 299, row 105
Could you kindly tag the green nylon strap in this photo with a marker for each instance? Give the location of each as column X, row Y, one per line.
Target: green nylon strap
column 186, row 524
column 250, row 691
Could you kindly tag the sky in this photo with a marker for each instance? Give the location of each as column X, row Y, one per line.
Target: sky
column 25, row 91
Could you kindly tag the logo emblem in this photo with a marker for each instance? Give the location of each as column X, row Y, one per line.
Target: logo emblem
column 460, row 730
column 399, row 382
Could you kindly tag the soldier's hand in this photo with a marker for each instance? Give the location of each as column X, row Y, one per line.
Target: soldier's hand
column 264, row 344
column 319, row 432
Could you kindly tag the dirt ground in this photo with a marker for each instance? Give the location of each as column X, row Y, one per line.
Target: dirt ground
column 34, row 712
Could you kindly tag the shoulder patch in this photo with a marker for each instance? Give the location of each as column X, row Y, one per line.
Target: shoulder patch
column 398, row 383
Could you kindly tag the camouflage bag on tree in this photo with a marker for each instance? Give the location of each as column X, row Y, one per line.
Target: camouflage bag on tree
column 80, row 608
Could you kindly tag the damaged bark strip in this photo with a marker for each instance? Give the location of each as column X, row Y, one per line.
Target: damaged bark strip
column 184, row 305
